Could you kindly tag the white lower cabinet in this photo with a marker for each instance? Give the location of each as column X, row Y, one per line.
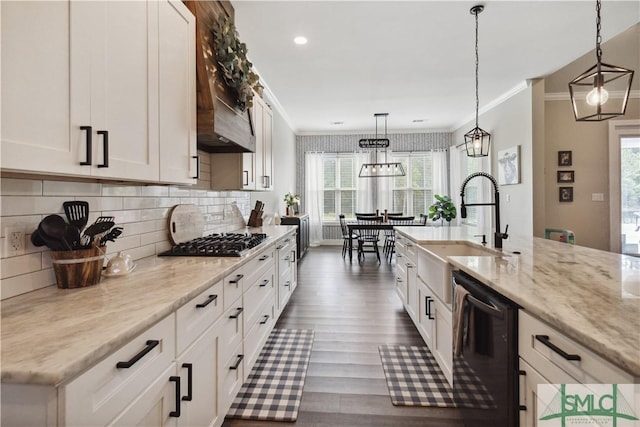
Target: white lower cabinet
column 230, row 378
column 287, row 272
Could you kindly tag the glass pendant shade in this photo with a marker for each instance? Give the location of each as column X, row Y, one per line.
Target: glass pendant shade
column 477, row 142
column 601, row 92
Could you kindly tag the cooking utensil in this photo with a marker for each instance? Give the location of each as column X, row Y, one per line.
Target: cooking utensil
column 111, row 236
column 36, row 239
column 52, row 230
column 95, row 229
column 104, row 219
column 77, row 213
column 72, row 236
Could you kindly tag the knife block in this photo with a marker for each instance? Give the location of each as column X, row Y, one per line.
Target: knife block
column 255, row 219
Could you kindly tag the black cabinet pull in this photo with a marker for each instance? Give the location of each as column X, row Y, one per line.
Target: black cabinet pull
column 427, row 307
column 264, row 283
column 287, row 283
column 279, row 247
column 246, row 177
column 237, row 279
column 176, row 413
column 238, row 311
column 522, row 407
column 89, row 130
column 240, row 357
column 522, row 373
column 209, row 300
column 266, row 319
column 544, row 339
column 263, row 258
column 105, row 148
column 150, row 345
column 189, row 367
column 197, row 158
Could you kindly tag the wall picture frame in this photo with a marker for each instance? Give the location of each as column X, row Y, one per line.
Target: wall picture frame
column 509, row 166
column 566, row 176
column 565, row 158
column 565, row 194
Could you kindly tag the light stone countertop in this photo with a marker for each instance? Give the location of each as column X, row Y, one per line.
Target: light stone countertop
column 590, row 295
column 51, row 335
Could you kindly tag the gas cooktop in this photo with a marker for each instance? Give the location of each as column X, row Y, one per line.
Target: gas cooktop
column 224, row 245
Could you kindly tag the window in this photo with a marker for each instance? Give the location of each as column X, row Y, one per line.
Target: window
column 473, row 191
column 413, row 193
column 340, row 174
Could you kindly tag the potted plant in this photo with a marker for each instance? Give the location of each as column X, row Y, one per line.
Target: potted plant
column 291, row 200
column 442, row 209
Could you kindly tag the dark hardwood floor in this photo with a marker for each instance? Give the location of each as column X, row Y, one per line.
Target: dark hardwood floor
column 353, row 308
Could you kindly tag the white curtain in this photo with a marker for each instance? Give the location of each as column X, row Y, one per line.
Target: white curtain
column 455, row 166
column 364, row 193
column 439, row 177
column 314, row 184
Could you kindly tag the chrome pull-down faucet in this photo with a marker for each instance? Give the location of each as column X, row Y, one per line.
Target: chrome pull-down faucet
column 498, row 236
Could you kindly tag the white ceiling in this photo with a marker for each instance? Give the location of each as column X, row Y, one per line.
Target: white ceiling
column 412, row 59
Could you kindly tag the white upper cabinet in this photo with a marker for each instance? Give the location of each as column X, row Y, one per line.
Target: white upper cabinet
column 88, row 98
column 178, row 139
column 263, row 122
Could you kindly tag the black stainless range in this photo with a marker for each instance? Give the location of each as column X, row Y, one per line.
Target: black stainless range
column 217, row 245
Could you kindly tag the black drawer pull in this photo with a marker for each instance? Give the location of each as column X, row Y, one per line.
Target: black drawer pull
column 279, row 247
column 176, row 413
column 427, row 307
column 522, row 407
column 246, row 176
column 150, row 345
column 209, row 300
column 544, row 339
column 266, row 319
column 263, row 258
column 264, row 283
column 197, row 158
column 105, row 148
column 287, row 283
column 89, row 130
column 238, row 362
column 189, row 367
column 238, row 311
column 237, row 279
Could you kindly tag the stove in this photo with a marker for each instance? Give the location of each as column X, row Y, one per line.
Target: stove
column 221, row 245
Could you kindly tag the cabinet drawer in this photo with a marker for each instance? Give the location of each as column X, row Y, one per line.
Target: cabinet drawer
column 197, row 315
column 590, row 369
column 257, row 335
column 105, row 390
column 261, row 293
column 230, row 378
column 230, row 327
column 257, row 266
column 407, row 248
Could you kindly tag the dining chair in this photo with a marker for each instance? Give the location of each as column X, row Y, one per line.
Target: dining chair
column 389, row 247
column 346, row 236
column 368, row 238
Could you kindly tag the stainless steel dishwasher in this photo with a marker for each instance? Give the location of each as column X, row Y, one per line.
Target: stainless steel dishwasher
column 485, row 361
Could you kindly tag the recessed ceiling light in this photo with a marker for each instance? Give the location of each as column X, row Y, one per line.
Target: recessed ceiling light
column 300, row 40
column 336, row 123
column 418, row 120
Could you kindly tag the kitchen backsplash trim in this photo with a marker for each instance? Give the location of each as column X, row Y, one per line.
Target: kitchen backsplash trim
column 141, row 210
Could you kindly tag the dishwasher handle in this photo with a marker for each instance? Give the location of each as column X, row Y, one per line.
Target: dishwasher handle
column 491, row 310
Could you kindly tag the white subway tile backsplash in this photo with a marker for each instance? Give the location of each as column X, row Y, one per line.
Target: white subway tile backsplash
column 20, row 187
column 71, row 189
column 141, row 210
column 26, row 283
column 22, row 264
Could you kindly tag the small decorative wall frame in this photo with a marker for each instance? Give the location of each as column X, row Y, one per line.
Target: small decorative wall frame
column 564, row 158
column 509, row 169
column 566, row 176
column 565, row 194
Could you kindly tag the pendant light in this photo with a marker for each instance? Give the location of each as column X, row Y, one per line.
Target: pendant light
column 477, row 141
column 601, row 92
column 375, row 169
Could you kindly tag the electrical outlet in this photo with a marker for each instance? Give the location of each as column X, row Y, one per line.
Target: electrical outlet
column 14, row 241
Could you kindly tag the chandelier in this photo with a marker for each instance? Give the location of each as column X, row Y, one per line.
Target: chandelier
column 477, row 140
column 601, row 92
column 375, row 169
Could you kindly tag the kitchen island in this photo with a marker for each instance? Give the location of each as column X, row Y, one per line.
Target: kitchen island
column 592, row 296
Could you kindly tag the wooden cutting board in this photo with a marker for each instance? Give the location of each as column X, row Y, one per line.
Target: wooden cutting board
column 186, row 222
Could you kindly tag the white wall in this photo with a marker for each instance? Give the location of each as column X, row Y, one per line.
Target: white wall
column 510, row 124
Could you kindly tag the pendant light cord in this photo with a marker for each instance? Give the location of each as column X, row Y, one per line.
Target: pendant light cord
column 477, row 98
column 598, row 37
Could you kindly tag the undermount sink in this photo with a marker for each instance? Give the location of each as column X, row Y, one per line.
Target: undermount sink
column 443, row 250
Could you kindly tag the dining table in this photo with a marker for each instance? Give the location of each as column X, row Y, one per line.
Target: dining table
column 355, row 226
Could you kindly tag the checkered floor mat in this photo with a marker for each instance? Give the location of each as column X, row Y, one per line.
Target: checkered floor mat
column 274, row 388
column 415, row 379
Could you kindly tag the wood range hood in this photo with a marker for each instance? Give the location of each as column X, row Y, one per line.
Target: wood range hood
column 222, row 127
